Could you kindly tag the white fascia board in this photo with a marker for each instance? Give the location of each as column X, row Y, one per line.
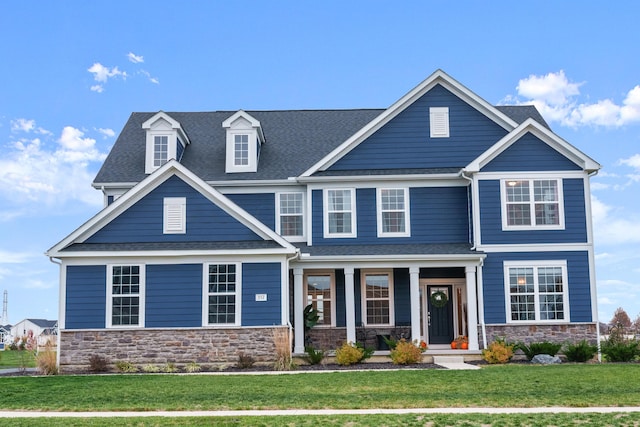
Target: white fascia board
column 305, row 257
column 545, row 135
column 169, row 169
column 332, row 263
column 541, row 247
column 173, row 122
column 447, row 179
column 438, row 77
column 173, row 254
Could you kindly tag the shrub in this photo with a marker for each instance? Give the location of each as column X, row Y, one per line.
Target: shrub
column 498, row 352
column 169, row 368
column 544, row 347
column 313, row 356
column 407, row 352
column 620, row 350
column 126, row 367
column 47, row 361
column 150, row 369
column 349, row 354
column 580, row 352
column 192, row 367
column 282, row 344
column 245, row 361
column 97, row 363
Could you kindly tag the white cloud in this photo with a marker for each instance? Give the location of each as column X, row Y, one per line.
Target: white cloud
column 135, row 58
column 102, row 73
column 633, row 161
column 108, row 133
column 11, row 257
column 556, row 97
column 596, row 186
column 609, row 228
column 24, row 125
column 97, row 88
column 148, row 75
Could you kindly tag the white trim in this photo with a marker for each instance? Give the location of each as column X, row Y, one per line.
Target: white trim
column 161, row 124
column 411, row 180
column 141, row 295
column 542, row 133
column 292, row 238
column 537, row 247
column 406, row 210
column 438, row 77
column 242, row 123
column 363, row 295
column 325, row 207
column 206, row 294
column 531, row 175
column 439, row 122
column 536, row 265
column 62, row 297
column 504, row 182
column 332, row 292
column 174, row 219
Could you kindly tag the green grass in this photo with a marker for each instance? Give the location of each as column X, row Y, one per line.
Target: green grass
column 409, row 420
column 17, row 359
column 493, row 386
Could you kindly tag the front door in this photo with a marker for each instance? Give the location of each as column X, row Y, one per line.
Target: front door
column 440, row 314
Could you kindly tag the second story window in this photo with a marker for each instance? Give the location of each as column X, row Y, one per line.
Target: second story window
column 393, row 218
column 160, row 150
column 241, row 149
column 532, row 203
column 290, row 213
column 339, row 213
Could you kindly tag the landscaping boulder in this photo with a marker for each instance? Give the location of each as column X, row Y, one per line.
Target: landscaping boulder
column 545, row 359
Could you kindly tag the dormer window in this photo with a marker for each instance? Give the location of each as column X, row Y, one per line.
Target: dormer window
column 244, row 140
column 165, row 140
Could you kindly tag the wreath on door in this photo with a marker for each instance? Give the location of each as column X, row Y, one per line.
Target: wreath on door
column 439, row 299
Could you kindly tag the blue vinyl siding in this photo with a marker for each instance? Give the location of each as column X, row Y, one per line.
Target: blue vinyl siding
column 261, row 278
column 402, row 296
column 436, row 215
column 143, row 222
column 261, row 206
column 529, row 153
column 577, row 272
column 86, row 296
column 574, row 210
column 179, row 150
column 405, row 142
column 341, row 308
column 173, row 295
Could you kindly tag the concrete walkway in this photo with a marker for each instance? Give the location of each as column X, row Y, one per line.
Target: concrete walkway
column 280, row 412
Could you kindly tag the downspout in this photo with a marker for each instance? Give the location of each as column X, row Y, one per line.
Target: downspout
column 595, row 288
column 479, row 283
column 59, row 264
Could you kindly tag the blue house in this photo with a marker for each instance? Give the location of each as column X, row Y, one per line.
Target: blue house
column 439, row 216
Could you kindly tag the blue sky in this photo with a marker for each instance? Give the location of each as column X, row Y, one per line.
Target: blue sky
column 74, row 71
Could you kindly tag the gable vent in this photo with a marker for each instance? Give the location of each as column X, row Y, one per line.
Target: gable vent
column 175, row 209
column 439, row 122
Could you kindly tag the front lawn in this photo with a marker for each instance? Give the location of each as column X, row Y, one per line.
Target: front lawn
column 17, row 359
column 493, row 386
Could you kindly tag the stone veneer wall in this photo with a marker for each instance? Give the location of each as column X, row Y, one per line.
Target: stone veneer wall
column 327, row 338
column 559, row 333
column 160, row 346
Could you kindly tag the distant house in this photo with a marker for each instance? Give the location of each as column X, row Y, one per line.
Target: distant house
column 442, row 215
column 42, row 330
column 5, row 336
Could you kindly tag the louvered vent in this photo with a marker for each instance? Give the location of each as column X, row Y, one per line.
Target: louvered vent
column 175, row 209
column 439, row 122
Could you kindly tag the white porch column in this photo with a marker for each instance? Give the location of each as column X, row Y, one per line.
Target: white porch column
column 298, row 311
column 472, row 308
column 350, row 303
column 414, row 286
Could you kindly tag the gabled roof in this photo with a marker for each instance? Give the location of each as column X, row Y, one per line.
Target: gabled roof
column 544, row 134
column 172, row 168
column 437, row 78
column 161, row 115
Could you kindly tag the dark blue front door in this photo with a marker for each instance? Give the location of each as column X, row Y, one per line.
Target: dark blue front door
column 440, row 314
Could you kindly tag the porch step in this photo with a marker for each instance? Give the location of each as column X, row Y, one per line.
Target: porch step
column 453, row 362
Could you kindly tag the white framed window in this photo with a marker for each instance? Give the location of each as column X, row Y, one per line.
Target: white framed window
column 290, row 214
column 537, row 291
column 377, row 298
column 340, row 212
column 532, row 204
column 160, row 150
column 222, row 294
column 319, row 291
column 125, row 296
column 439, row 122
column 241, row 149
column 175, row 215
column 393, row 212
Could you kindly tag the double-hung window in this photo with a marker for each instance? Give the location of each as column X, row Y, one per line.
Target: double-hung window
column 320, row 293
column 340, row 212
column 532, row 204
column 393, row 208
column 125, row 295
column 536, row 291
column 377, row 301
column 160, row 150
column 290, row 213
column 241, row 149
column 222, row 294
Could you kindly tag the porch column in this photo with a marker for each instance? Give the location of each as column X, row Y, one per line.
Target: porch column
column 414, row 289
column 472, row 308
column 350, row 303
column 298, row 311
